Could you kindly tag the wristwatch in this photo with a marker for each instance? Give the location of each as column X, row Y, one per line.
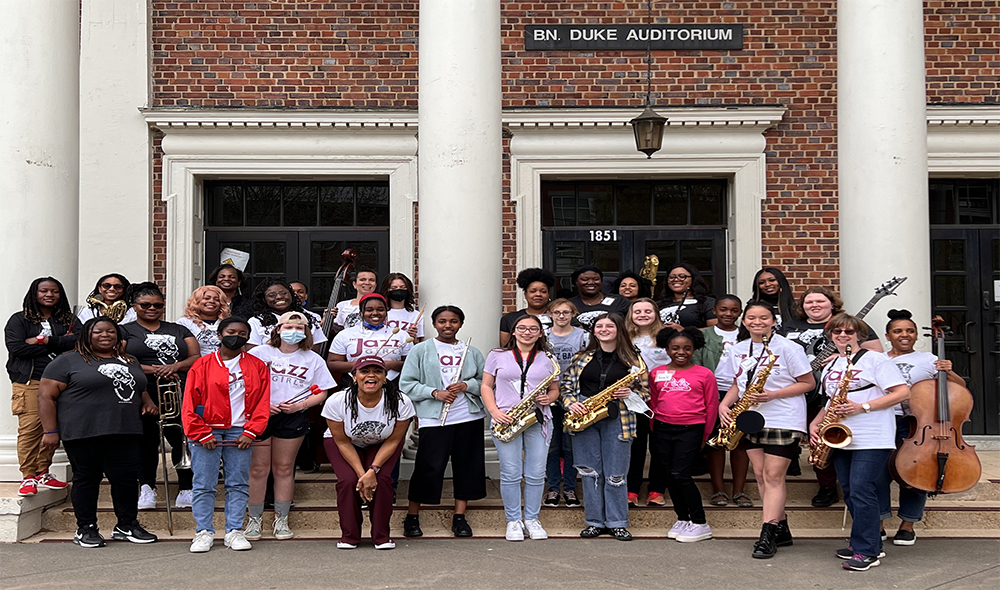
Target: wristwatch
column 376, row 468
column 867, row 407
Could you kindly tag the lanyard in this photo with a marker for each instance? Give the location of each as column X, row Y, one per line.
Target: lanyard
column 524, row 366
column 750, row 372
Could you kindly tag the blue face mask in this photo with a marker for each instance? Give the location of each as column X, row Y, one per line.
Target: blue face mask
column 293, row 336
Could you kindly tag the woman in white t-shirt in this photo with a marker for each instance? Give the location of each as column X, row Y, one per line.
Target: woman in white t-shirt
column 397, row 288
column 346, row 313
column 299, row 381
column 205, row 308
column 875, row 386
column 367, row 423
column 783, row 406
column 272, row 298
column 643, row 323
column 372, row 337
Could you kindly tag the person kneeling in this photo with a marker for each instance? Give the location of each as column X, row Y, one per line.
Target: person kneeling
column 367, row 423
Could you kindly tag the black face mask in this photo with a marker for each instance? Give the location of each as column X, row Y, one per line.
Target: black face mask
column 234, row 342
column 398, row 294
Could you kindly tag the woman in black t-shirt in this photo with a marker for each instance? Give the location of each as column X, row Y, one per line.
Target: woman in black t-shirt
column 91, row 399
column 165, row 351
column 685, row 302
column 537, row 285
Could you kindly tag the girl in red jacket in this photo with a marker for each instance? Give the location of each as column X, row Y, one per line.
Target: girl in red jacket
column 226, row 406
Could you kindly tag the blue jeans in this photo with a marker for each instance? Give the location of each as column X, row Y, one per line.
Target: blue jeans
column 560, row 447
column 236, row 469
column 523, row 456
column 911, row 502
column 602, row 459
column 860, row 473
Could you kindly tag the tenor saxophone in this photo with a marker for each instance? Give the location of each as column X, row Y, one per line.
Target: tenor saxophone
column 523, row 411
column 597, row 404
column 833, row 434
column 114, row 312
column 729, row 436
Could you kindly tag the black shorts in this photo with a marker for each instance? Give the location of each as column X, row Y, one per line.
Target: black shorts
column 777, row 442
column 465, row 445
column 286, row 426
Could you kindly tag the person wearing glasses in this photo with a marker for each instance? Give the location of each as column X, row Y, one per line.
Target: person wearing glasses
column 591, row 301
column 537, row 285
column 685, row 302
column 109, row 288
column 165, row 351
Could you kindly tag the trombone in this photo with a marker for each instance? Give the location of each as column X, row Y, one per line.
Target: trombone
column 169, row 405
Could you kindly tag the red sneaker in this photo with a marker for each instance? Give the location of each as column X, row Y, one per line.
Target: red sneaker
column 47, row 480
column 28, row 487
column 633, row 499
column 655, row 499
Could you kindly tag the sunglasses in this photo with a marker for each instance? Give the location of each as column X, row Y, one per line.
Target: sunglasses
column 848, row 331
column 110, row 286
column 147, row 305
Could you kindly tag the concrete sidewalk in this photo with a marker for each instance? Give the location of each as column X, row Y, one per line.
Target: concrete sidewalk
column 495, row 564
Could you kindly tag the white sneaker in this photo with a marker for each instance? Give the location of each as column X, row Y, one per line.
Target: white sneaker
column 695, row 532
column 342, row 545
column 515, row 531
column 202, row 541
column 678, row 527
column 535, row 530
column 386, row 545
column 147, row 498
column 184, row 499
column 236, row 541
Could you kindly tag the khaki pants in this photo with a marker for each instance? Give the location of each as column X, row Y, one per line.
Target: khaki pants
column 24, row 405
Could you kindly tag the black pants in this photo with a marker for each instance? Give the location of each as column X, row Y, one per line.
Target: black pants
column 657, row 477
column 115, row 456
column 465, row 445
column 678, row 446
column 150, row 445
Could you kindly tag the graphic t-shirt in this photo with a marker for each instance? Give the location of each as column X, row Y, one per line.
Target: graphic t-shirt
column 914, row 367
column 787, row 413
column 101, row 398
column 589, row 313
column 360, row 341
column 687, row 396
column 348, row 314
column 877, row 429
column 508, row 319
column 402, row 319
column 165, row 346
column 688, row 313
column 372, row 426
column 207, row 334
column 260, row 334
column 237, row 392
column 652, row 355
column 449, row 358
column 292, row 374
column 564, row 347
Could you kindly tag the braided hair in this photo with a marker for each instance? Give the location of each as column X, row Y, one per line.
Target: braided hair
column 33, row 311
column 144, row 289
column 390, row 397
column 264, row 313
column 84, row 344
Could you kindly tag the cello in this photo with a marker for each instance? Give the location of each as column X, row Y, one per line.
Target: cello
column 934, row 458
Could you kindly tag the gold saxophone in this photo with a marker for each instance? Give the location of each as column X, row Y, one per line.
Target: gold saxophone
column 114, row 312
column 730, row 436
column 523, row 411
column 833, row 434
column 649, row 268
column 597, row 404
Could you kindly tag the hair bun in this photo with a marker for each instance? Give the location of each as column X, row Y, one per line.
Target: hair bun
column 900, row 314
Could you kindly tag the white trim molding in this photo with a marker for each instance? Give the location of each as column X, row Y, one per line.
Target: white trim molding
column 725, row 142
column 963, row 140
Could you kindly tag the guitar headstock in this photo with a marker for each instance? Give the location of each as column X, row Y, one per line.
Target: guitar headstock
column 887, row 288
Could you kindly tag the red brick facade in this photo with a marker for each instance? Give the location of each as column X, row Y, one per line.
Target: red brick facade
column 364, row 55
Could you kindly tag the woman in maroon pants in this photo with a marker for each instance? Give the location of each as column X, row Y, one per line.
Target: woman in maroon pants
column 367, row 423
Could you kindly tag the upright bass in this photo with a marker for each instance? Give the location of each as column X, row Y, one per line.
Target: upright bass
column 349, row 256
column 934, row 458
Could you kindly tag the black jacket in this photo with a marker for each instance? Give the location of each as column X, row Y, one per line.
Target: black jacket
column 21, row 355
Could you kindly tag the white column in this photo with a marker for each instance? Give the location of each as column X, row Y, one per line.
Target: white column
column 39, row 164
column 115, row 205
column 460, row 162
column 882, row 147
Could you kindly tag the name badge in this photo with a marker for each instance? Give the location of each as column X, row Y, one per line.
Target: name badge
column 634, row 369
column 664, row 376
column 748, row 363
column 608, row 301
column 792, row 335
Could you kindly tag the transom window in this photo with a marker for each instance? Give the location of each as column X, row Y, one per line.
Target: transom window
column 965, row 201
column 634, row 203
column 254, row 203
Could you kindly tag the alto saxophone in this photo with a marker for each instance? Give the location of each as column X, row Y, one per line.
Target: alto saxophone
column 114, row 312
column 523, row 411
column 597, row 404
column 730, row 436
column 833, row 434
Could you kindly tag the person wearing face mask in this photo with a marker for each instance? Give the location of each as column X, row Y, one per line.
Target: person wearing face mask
column 230, row 279
column 631, row 286
column 271, row 298
column 537, row 285
column 109, row 289
column 205, row 309
column 372, row 337
column 347, row 312
column 397, row 288
column 771, row 286
column 685, row 302
column 295, row 369
column 227, row 400
column 591, row 301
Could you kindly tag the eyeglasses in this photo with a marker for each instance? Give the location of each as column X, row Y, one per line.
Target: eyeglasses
column 561, row 313
column 115, row 286
column 848, row 331
column 147, row 305
column 678, row 277
column 527, row 329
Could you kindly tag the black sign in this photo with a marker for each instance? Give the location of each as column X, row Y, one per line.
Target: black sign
column 577, row 37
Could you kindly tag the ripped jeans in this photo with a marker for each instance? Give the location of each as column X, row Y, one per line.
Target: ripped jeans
column 602, row 459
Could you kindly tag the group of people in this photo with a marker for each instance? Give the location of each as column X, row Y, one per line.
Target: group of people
column 611, row 376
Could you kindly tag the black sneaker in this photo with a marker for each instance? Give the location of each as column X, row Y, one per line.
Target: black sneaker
column 460, row 527
column 570, row 497
column 552, row 498
column 904, row 538
column 825, row 497
column 594, row 531
column 884, row 535
column 89, row 537
column 860, row 563
column 411, row 526
column 621, row 534
column 133, row 534
column 848, row 553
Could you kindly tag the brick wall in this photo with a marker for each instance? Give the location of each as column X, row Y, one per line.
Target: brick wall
column 364, row 55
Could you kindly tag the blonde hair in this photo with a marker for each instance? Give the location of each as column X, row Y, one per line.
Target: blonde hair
column 842, row 321
column 634, row 330
column 194, row 303
column 563, row 301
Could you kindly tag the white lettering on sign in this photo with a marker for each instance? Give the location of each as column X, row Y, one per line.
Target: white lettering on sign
column 545, row 35
column 603, row 235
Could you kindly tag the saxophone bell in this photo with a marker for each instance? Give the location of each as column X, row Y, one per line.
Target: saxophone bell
column 750, row 422
column 836, row 435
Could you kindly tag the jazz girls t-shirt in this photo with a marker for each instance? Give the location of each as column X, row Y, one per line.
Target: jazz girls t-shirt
column 402, row 319
column 260, row 334
column 873, row 375
column 788, row 413
column 450, row 359
column 360, row 341
column 372, row 425
column 293, row 373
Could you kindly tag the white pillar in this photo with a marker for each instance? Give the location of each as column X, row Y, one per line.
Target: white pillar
column 882, row 163
column 39, row 164
column 460, row 162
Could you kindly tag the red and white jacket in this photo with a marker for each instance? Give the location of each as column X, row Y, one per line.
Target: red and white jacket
column 206, row 397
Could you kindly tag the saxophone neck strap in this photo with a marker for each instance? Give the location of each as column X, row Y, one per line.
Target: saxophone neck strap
column 525, row 364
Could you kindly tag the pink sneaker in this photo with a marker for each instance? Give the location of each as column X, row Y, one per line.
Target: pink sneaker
column 29, row 487
column 47, row 480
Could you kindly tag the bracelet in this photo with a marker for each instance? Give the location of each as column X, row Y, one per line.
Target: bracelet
column 52, row 432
